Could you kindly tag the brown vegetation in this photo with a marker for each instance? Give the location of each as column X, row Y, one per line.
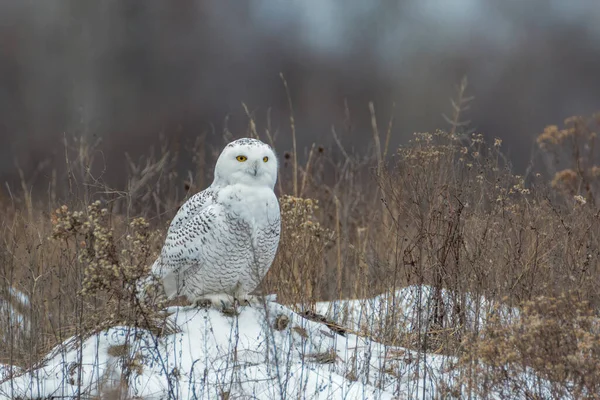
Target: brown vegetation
column 444, row 210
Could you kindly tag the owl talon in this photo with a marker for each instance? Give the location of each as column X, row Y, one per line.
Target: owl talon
column 249, row 300
column 203, row 303
column 241, row 301
column 229, row 309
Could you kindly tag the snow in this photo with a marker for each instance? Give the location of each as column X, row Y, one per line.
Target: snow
column 267, row 351
column 412, row 309
column 12, row 304
column 5, row 371
column 244, row 355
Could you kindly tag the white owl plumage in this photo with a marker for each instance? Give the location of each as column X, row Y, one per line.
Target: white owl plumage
column 223, row 240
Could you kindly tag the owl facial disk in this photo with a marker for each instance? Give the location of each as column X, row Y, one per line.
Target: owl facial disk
column 255, row 166
column 246, row 161
column 259, row 170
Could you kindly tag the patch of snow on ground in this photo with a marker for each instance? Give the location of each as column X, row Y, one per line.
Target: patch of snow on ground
column 5, row 371
column 12, row 306
column 266, row 352
column 410, row 309
column 246, row 356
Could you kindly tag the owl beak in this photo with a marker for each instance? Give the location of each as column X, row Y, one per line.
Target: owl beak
column 255, row 168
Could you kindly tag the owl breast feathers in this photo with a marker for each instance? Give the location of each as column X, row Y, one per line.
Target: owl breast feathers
column 223, row 240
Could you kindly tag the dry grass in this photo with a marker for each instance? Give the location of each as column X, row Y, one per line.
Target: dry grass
column 555, row 336
column 443, row 210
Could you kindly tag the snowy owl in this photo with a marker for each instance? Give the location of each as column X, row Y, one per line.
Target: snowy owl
column 223, row 240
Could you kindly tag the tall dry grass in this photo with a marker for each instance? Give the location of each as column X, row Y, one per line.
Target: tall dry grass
column 444, row 210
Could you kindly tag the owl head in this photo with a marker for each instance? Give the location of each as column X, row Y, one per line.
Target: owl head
column 247, row 161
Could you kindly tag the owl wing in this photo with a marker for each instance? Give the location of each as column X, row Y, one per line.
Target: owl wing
column 268, row 241
column 193, row 206
column 191, row 229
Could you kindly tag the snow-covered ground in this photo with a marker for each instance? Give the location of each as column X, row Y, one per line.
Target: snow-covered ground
column 410, row 309
column 5, row 371
column 12, row 305
column 266, row 352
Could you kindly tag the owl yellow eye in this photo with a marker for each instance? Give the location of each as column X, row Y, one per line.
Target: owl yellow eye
column 241, row 158
column 265, row 159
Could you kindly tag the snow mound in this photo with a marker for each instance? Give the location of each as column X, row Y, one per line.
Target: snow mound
column 265, row 352
column 411, row 309
column 13, row 319
column 5, row 372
